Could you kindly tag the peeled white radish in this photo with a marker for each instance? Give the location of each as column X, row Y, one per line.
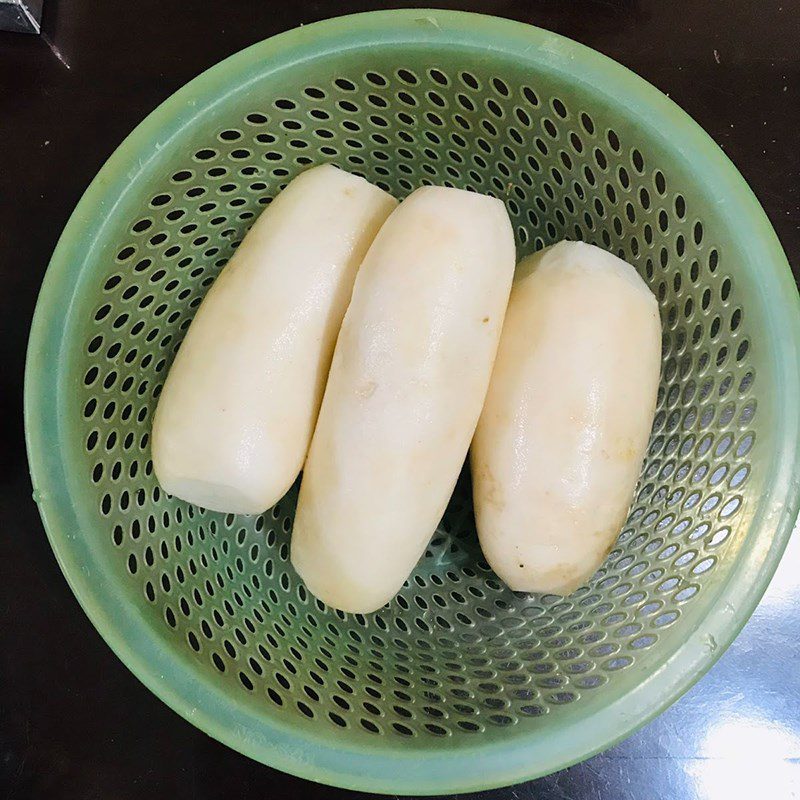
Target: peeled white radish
column 239, row 406
column 563, row 432
column 405, row 390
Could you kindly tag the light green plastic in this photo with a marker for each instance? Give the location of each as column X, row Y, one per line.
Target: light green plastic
column 458, row 684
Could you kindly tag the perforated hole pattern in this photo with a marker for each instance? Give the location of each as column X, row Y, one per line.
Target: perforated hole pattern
column 456, row 654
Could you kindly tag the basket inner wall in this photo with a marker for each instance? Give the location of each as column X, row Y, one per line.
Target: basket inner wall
column 456, row 655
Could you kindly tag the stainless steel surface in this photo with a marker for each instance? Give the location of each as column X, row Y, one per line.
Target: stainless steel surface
column 21, row 16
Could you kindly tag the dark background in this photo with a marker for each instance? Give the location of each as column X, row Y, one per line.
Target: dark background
column 74, row 723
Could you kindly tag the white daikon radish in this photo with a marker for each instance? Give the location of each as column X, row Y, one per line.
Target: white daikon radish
column 563, row 432
column 405, row 390
column 236, row 415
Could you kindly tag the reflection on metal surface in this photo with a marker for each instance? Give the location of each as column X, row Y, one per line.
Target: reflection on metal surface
column 747, row 757
column 749, row 737
column 21, row 16
column 781, row 597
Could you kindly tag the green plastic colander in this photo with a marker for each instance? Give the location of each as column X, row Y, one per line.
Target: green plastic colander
column 459, row 683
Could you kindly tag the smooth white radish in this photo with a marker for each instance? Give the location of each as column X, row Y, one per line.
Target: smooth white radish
column 238, row 409
column 405, row 390
column 560, row 442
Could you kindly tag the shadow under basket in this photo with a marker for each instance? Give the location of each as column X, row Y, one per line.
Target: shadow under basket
column 459, row 683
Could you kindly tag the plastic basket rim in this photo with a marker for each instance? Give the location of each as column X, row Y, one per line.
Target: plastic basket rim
column 405, row 769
